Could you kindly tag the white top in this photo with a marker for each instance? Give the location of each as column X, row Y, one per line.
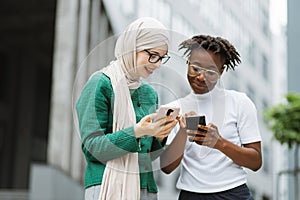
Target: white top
column 207, row 170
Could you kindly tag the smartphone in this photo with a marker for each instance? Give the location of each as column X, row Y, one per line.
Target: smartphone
column 193, row 121
column 167, row 111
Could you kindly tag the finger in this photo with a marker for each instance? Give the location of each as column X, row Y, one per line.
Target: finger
column 159, row 123
column 171, row 124
column 162, row 134
column 200, row 143
column 211, row 125
column 166, row 121
column 202, row 128
column 198, row 139
column 169, row 127
column 168, row 130
column 191, row 139
column 147, row 118
column 191, row 131
column 197, row 134
column 191, row 113
column 178, row 117
column 152, row 116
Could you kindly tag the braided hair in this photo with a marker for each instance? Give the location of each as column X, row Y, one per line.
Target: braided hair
column 217, row 45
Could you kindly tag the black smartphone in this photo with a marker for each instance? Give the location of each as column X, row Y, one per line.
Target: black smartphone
column 193, row 121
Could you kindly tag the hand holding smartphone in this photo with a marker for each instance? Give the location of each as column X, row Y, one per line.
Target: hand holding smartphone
column 192, row 123
column 167, row 111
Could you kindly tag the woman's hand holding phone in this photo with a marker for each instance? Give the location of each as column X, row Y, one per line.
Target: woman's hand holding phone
column 165, row 111
column 160, row 128
column 210, row 137
column 196, row 128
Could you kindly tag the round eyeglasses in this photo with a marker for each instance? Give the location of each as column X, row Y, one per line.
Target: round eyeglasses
column 210, row 75
column 154, row 58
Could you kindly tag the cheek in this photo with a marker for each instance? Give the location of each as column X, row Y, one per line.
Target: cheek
column 141, row 60
column 189, row 79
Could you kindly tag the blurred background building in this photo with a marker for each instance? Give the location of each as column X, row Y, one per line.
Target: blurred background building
column 293, row 61
column 49, row 49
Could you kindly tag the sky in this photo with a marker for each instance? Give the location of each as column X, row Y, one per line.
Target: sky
column 278, row 14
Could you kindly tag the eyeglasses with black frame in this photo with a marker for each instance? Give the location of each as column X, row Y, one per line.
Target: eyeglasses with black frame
column 210, row 75
column 154, row 58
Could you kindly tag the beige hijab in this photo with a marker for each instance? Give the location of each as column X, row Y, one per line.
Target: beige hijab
column 121, row 178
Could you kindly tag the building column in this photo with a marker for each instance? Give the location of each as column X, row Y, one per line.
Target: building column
column 61, row 120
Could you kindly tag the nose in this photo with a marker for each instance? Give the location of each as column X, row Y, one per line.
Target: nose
column 201, row 76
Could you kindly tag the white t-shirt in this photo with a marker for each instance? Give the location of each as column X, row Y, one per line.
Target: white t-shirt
column 207, row 170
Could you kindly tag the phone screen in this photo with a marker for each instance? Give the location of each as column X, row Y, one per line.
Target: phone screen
column 193, row 121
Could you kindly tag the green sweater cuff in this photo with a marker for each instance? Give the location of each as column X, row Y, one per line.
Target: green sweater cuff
column 112, row 145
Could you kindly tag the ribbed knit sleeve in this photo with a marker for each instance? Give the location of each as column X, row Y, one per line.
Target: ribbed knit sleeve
column 94, row 108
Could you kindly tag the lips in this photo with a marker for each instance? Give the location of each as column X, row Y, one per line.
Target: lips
column 200, row 85
column 148, row 70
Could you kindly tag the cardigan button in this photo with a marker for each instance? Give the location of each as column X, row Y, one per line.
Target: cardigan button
column 138, row 104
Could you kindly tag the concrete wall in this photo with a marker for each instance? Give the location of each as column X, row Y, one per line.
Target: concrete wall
column 50, row 183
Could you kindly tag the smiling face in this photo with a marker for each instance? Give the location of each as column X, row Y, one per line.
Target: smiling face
column 144, row 67
column 206, row 60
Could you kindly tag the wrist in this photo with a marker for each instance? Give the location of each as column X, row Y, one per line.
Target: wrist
column 221, row 144
column 137, row 131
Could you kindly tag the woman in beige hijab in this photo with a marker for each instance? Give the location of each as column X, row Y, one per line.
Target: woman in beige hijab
column 118, row 150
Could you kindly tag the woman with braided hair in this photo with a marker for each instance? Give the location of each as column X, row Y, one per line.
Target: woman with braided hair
column 214, row 156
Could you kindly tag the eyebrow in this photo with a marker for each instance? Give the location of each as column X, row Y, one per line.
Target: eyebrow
column 157, row 53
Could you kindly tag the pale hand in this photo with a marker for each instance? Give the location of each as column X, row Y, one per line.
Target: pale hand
column 159, row 129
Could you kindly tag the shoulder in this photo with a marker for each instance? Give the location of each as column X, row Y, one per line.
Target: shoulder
column 98, row 85
column 241, row 99
column 99, row 78
column 240, row 96
column 146, row 88
column 99, row 81
column 234, row 93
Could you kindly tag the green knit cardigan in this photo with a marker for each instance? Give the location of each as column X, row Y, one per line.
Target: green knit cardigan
column 99, row 144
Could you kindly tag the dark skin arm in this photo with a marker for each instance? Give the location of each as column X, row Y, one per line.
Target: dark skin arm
column 172, row 156
column 248, row 155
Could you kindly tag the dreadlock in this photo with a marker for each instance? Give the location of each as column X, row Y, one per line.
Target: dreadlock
column 217, row 45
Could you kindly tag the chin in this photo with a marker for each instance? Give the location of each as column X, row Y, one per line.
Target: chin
column 201, row 91
column 145, row 75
